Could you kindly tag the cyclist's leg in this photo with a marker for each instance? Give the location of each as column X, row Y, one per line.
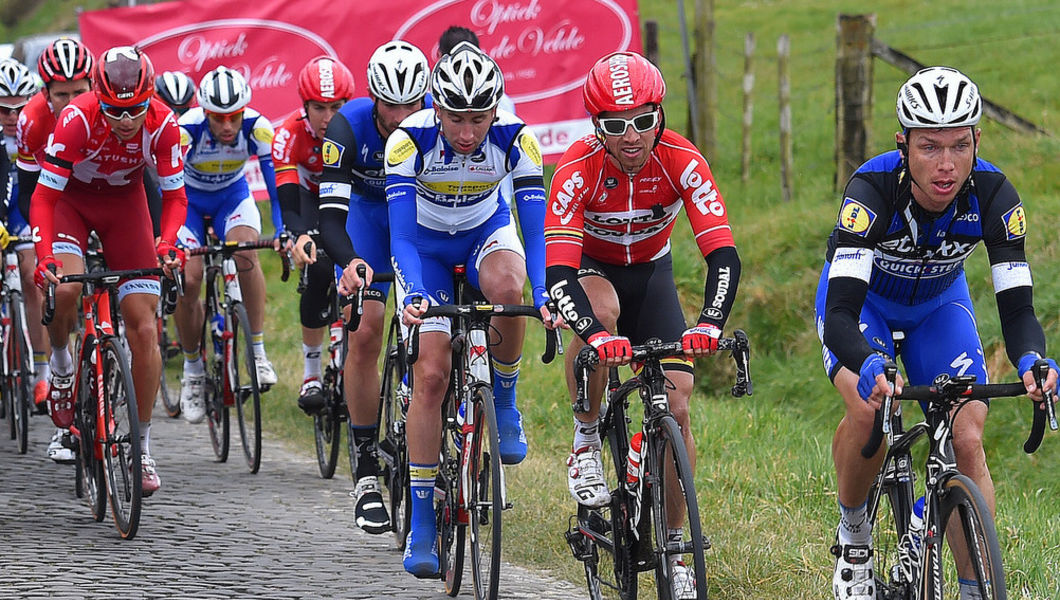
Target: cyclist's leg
column 71, row 235
column 33, row 299
column 189, row 314
column 315, row 314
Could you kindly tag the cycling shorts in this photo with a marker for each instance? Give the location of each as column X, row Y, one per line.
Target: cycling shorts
column 940, row 335
column 368, row 226
column 647, row 297
column 228, row 207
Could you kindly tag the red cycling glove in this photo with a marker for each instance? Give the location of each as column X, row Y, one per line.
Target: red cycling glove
column 703, row 337
column 164, row 248
column 42, row 267
column 611, row 346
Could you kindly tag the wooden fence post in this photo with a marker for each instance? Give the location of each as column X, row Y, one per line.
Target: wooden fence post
column 783, row 53
column 651, row 41
column 706, row 80
column 748, row 105
column 853, row 93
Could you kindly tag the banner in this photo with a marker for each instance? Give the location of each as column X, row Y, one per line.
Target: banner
column 544, row 47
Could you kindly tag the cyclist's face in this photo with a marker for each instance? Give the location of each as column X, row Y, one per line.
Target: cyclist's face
column 10, row 107
column 125, row 128
column 940, row 161
column 631, row 149
column 319, row 114
column 60, row 93
column 388, row 116
column 225, row 127
column 465, row 131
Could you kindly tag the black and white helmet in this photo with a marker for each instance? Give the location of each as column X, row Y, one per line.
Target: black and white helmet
column 17, row 80
column 175, row 88
column 223, row 90
column 939, row 97
column 467, row 79
column 398, row 73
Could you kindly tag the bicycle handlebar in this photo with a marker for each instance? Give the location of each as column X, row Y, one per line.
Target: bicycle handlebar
column 484, row 312
column 231, row 247
column 105, row 277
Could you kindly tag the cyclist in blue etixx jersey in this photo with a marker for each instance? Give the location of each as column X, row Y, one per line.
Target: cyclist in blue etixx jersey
column 443, row 167
column 895, row 262
column 218, row 137
column 353, row 214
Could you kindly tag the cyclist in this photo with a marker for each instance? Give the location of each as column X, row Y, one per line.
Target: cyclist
column 177, row 90
column 90, row 180
column 324, row 85
column 443, row 167
column 219, row 136
column 353, row 213
column 613, row 202
column 895, row 262
column 65, row 67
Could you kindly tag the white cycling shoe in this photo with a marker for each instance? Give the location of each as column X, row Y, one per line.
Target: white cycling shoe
column 854, row 578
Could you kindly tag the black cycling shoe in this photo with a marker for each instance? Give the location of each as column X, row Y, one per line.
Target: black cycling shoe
column 311, row 398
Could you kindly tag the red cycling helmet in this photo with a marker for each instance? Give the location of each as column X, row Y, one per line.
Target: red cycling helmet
column 325, row 79
column 124, row 76
column 65, row 59
column 621, row 81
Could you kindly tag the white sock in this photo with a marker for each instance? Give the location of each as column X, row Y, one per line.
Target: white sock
column 312, row 361
column 61, row 362
column 854, row 526
column 194, row 368
column 586, row 434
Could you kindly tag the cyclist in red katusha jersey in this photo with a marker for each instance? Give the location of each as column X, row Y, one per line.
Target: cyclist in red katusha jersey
column 65, row 67
column 612, row 204
column 324, row 85
column 91, row 179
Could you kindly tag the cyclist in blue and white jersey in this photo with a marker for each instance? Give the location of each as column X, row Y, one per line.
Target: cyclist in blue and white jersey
column 353, row 214
column 443, row 167
column 218, row 137
column 895, row 262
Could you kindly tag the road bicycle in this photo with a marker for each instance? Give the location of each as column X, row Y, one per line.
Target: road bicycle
column 169, row 348
column 394, row 397
column 470, row 492
column 16, row 366
column 227, row 348
column 917, row 562
column 629, row 535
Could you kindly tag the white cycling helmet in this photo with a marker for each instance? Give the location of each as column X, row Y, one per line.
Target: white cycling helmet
column 175, row 88
column 17, row 80
column 939, row 97
column 223, row 91
column 467, row 79
column 398, row 72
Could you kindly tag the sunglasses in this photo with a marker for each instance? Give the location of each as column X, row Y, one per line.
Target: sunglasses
column 120, row 112
column 640, row 123
column 225, row 117
column 7, row 110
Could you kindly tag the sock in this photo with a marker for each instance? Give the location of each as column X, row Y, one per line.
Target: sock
column 40, row 365
column 853, row 525
column 367, row 459
column 193, row 364
column 586, row 434
column 970, row 590
column 61, row 361
column 421, row 482
column 505, row 375
column 312, row 361
column 257, row 339
column 145, row 438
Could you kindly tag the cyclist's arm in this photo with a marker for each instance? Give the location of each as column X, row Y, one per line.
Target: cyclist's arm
column 402, row 158
column 169, row 158
column 261, row 143
column 70, row 136
column 723, row 278
column 529, row 191
column 287, row 184
column 154, row 201
column 27, row 182
column 335, row 189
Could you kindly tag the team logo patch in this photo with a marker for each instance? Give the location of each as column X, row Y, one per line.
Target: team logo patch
column 1016, row 222
column 855, row 218
column 530, row 148
column 400, row 152
column 610, row 183
column 331, row 153
column 263, row 135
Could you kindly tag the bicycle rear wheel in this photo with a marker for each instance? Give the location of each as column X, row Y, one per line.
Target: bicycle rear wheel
column 327, row 425
column 170, row 350
column 121, row 447
column 245, row 385
column 93, row 482
column 393, row 450
column 486, row 494
column 666, row 461
column 964, row 523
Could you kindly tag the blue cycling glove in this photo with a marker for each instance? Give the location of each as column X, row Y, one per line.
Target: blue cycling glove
column 870, row 369
column 1027, row 361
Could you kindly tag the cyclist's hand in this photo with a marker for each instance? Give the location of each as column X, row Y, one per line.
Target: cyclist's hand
column 349, row 283
column 43, row 275
column 1026, row 362
column 415, row 305
column 171, row 257
column 701, row 340
column 873, row 386
column 301, row 257
column 614, row 350
column 551, row 317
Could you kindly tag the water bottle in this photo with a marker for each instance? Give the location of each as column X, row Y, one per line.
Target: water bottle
column 336, row 341
column 404, row 394
column 217, row 332
column 916, row 526
column 633, row 461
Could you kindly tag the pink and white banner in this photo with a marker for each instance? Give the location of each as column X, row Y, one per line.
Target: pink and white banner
column 544, row 47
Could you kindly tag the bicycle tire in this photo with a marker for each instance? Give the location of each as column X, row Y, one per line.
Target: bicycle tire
column 486, row 502
column 889, row 507
column 215, row 386
column 7, row 387
column 393, row 449
column 93, row 482
column 327, row 425
column 20, row 359
column 121, row 447
column 971, row 527
column 667, row 438
column 245, row 384
column 451, row 516
column 167, row 348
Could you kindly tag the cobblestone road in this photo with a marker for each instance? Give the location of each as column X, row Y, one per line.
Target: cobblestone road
column 213, row 531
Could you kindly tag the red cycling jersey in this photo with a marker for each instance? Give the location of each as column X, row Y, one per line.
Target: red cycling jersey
column 35, row 124
column 296, row 154
column 597, row 210
column 85, row 159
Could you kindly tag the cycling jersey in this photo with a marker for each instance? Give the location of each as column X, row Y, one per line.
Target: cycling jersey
column 597, row 210
column 432, row 188
column 886, row 248
column 298, row 164
column 13, row 218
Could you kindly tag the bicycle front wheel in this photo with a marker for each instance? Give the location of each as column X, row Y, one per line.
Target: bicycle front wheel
column 966, row 546
column 393, row 450
column 121, row 445
column 170, row 350
column 667, row 466
column 485, row 491
column 245, row 385
column 89, row 473
column 20, row 361
column 215, row 387
column 327, row 425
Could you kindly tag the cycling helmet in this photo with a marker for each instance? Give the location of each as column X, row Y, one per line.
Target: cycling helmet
column 467, row 79
column 939, row 97
column 124, row 76
column 65, row 59
column 621, row 81
column 223, row 91
column 325, row 79
column 16, row 79
column 175, row 88
column 398, row 73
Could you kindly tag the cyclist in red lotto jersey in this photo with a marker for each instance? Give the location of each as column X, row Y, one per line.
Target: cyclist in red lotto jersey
column 65, row 67
column 91, row 179
column 612, row 204
column 324, row 85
